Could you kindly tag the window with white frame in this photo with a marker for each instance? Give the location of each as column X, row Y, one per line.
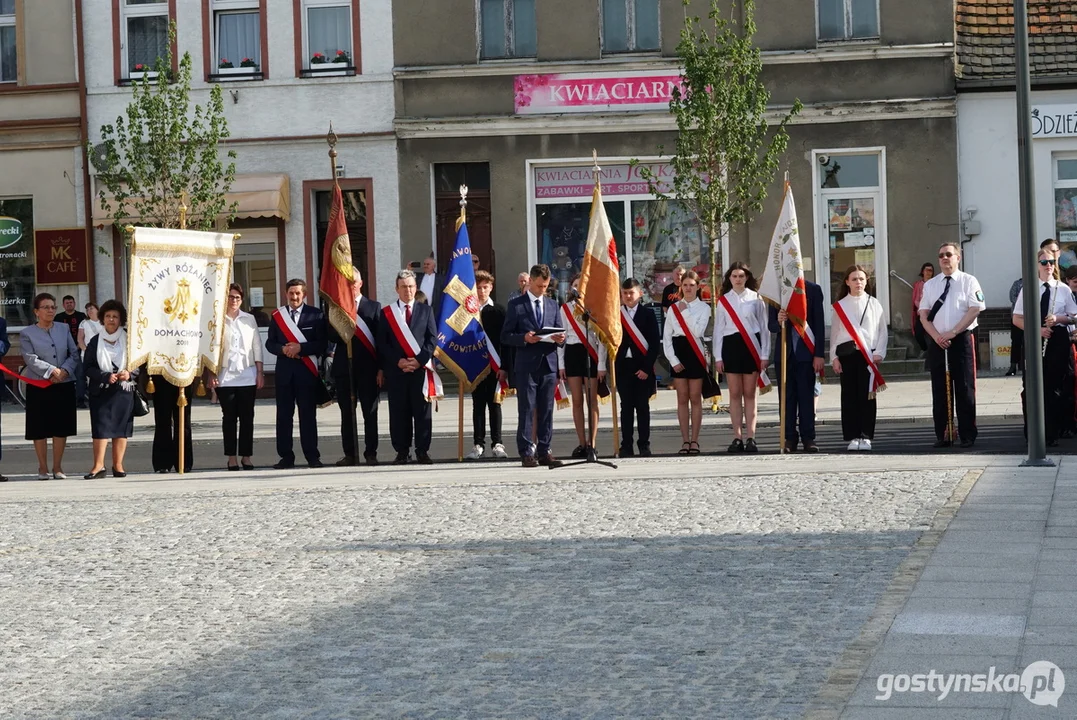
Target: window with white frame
column 9, row 64
column 237, row 36
column 848, row 20
column 143, row 34
column 630, row 26
column 508, row 28
column 327, row 36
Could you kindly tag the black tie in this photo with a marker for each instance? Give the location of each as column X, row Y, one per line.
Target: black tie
column 295, row 316
column 1045, row 303
column 538, row 313
column 938, row 303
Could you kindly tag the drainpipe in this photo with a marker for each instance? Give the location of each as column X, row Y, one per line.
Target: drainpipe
column 84, row 124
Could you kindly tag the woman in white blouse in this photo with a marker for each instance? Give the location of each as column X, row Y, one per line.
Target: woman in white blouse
column 685, row 356
column 573, row 365
column 239, row 378
column 740, row 358
column 865, row 314
column 88, row 328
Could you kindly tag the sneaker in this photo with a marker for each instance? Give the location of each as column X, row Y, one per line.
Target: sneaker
column 854, row 445
column 865, row 445
column 476, row 453
column 499, row 451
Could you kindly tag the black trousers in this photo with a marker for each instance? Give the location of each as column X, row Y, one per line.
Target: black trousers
column 1017, row 348
column 369, row 397
column 298, row 390
column 635, row 396
column 165, row 425
column 857, row 411
column 799, row 400
column 1057, row 387
column 482, row 398
column 237, row 406
column 409, row 410
column 963, row 385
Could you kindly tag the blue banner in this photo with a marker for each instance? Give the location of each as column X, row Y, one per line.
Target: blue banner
column 461, row 339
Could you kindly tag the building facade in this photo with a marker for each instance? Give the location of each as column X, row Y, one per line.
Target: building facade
column 511, row 96
column 43, row 209
column 288, row 69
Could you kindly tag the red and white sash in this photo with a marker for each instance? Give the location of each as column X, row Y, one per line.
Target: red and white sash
column 561, row 396
column 570, row 321
column 362, row 331
column 807, row 336
column 633, row 333
column 283, row 317
column 503, row 388
column 750, row 340
column 875, row 378
column 693, row 341
column 433, row 388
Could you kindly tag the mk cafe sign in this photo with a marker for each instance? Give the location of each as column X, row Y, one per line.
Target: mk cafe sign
column 646, row 90
column 61, row 256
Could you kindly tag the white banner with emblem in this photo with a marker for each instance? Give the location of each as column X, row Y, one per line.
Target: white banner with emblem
column 178, row 291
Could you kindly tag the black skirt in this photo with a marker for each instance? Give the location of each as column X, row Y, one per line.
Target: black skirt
column 736, row 357
column 693, row 369
column 50, row 411
column 576, row 362
column 112, row 413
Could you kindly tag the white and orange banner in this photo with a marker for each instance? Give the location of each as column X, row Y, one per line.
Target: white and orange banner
column 600, row 281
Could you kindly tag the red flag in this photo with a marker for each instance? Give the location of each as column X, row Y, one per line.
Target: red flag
column 335, row 284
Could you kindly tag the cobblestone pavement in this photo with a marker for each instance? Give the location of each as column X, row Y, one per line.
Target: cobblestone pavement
column 599, row 595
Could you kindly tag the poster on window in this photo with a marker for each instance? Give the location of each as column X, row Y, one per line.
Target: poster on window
column 863, row 214
column 839, row 214
column 562, row 232
column 665, row 234
column 17, row 260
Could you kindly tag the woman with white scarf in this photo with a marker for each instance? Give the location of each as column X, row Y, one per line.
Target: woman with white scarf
column 111, row 388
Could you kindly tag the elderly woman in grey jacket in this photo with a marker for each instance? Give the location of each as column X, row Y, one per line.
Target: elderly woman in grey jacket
column 50, row 353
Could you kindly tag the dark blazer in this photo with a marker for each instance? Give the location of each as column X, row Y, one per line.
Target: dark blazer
column 312, row 323
column 366, row 365
column 422, row 327
column 815, row 322
column 520, row 320
column 5, row 344
column 648, row 327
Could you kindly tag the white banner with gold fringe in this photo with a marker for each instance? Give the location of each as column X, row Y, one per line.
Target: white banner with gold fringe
column 178, row 290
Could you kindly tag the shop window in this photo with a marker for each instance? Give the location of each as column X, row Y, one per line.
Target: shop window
column 254, row 266
column 845, row 171
column 1066, row 209
column 143, row 35
column 630, row 26
column 327, row 37
column 17, row 261
column 508, row 28
column 237, row 37
column 666, row 234
column 9, row 64
column 843, row 20
column 562, row 240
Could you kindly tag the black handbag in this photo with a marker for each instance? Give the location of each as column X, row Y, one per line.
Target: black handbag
column 142, row 405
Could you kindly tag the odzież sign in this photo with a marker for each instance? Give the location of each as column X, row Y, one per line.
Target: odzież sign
column 646, row 90
column 1053, row 121
column 60, row 256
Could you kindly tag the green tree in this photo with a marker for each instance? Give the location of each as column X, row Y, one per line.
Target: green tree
column 727, row 152
column 162, row 153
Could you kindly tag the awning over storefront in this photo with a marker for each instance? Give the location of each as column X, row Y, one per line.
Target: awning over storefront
column 257, row 195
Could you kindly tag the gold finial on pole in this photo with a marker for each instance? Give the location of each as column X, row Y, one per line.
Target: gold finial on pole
column 463, row 202
column 183, row 210
column 331, row 138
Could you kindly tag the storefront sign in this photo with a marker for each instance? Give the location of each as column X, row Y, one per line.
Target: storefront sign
column 595, row 92
column 1054, row 121
column 11, row 231
column 617, row 180
column 16, row 261
column 60, row 256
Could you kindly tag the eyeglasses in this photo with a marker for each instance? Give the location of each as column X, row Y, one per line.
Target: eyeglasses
column 1046, row 263
column 946, row 255
column 235, row 297
column 46, row 307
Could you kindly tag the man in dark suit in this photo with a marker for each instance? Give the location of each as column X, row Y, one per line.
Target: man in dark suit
column 364, row 368
column 635, row 367
column 804, row 367
column 535, row 365
column 432, row 285
column 296, row 383
column 403, row 371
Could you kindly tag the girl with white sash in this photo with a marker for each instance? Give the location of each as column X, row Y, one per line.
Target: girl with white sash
column 742, row 349
column 572, row 362
column 682, row 342
column 860, row 380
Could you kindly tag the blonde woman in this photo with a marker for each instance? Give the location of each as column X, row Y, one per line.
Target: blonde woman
column 682, row 342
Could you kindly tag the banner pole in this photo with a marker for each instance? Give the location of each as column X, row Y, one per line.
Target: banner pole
column 781, row 395
column 460, row 422
column 613, row 402
column 181, row 402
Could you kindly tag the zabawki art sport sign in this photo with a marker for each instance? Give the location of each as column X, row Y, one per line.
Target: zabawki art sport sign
column 647, row 90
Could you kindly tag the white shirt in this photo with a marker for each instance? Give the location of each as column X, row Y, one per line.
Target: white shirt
column 571, row 338
column 631, row 312
column 752, row 312
column 1063, row 299
column 427, row 286
column 400, row 308
column 872, row 327
column 89, row 329
column 242, row 349
column 965, row 293
column 697, row 315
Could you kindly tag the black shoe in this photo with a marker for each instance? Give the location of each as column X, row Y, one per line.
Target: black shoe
column 119, row 473
column 95, row 475
column 1050, row 443
column 233, row 468
column 247, row 466
column 346, row 461
column 810, row 447
column 3, row 479
column 371, row 459
column 750, row 446
column 625, row 452
column 424, row 458
column 942, row 444
column 645, row 451
column 163, row 471
column 737, row 446
column 315, row 464
column 579, row 453
column 1012, row 371
column 402, row 458
column 284, row 465
column 970, row 443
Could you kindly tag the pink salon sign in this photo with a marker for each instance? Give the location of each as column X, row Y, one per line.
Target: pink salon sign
column 578, row 181
column 594, row 92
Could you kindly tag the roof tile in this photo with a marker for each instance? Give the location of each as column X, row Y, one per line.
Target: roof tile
column 985, row 44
